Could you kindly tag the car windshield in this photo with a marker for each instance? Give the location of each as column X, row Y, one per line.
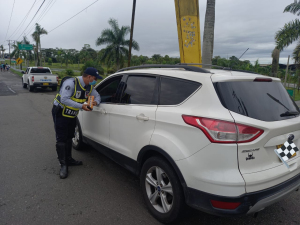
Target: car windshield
column 266, row 101
column 40, row 70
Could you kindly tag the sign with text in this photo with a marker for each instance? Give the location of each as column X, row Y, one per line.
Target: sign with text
column 25, row 47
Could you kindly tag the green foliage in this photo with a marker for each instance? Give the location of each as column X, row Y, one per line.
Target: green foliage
column 49, row 62
column 91, row 63
column 69, row 72
column 117, row 45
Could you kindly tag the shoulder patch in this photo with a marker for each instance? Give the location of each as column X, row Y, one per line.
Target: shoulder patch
column 68, row 87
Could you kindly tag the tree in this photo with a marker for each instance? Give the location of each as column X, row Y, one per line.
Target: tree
column 275, row 62
column 291, row 31
column 157, row 58
column 2, row 49
column 208, row 34
column 117, row 45
column 36, row 35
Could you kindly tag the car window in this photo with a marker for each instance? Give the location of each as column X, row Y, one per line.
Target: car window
column 140, row 90
column 266, row 101
column 108, row 89
column 40, row 70
column 174, row 91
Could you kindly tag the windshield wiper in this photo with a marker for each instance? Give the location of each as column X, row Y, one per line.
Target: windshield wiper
column 290, row 113
column 276, row 100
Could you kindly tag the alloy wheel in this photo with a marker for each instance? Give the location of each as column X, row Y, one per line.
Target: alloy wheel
column 159, row 189
column 75, row 139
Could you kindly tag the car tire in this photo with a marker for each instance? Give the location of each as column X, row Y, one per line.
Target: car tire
column 54, row 88
column 24, row 84
column 77, row 142
column 30, row 88
column 168, row 203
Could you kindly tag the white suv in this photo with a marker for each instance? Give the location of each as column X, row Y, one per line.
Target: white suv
column 204, row 138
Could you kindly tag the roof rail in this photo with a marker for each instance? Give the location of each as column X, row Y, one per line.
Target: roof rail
column 222, row 67
column 186, row 67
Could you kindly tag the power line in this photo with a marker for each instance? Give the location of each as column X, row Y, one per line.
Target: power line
column 72, row 16
column 23, row 21
column 41, row 15
column 32, row 19
column 10, row 19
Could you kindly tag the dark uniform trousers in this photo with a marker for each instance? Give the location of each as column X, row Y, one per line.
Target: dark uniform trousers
column 64, row 129
column 64, row 126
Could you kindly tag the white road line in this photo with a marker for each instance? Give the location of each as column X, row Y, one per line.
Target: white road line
column 10, row 89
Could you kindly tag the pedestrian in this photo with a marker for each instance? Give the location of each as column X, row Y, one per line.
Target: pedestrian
column 73, row 93
column 1, row 67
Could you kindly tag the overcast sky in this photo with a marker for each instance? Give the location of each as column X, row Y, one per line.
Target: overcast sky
column 240, row 24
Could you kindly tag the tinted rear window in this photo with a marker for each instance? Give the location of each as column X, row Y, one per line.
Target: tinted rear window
column 174, row 91
column 39, row 70
column 254, row 99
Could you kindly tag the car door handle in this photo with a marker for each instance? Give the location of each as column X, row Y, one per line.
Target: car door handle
column 102, row 111
column 142, row 117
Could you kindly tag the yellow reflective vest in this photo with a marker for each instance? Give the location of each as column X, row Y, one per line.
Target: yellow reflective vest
column 80, row 95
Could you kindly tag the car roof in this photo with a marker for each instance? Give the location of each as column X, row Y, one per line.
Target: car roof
column 217, row 75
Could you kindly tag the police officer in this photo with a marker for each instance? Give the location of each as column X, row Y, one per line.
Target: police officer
column 67, row 103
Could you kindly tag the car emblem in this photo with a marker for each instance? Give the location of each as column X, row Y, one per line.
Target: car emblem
column 45, row 77
column 291, row 137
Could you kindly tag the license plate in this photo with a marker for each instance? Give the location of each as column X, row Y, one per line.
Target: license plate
column 45, row 84
column 279, row 146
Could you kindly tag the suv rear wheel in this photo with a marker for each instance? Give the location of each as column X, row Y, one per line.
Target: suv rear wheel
column 162, row 190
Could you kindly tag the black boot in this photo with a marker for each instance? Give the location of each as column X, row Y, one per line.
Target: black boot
column 61, row 153
column 70, row 160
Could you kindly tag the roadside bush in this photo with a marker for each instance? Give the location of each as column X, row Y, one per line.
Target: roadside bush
column 91, row 63
column 49, row 62
column 69, row 72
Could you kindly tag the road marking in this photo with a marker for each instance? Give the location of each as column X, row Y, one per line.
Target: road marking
column 10, row 89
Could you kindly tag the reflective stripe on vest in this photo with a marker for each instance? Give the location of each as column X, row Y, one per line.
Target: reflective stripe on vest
column 80, row 95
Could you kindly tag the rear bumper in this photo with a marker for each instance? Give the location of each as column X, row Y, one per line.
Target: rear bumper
column 42, row 84
column 250, row 202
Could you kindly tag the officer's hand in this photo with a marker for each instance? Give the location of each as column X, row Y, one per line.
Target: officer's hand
column 95, row 103
column 85, row 107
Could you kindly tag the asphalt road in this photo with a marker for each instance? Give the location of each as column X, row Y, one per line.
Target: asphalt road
column 99, row 192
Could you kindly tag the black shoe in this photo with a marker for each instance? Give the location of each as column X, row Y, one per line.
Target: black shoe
column 62, row 157
column 73, row 162
column 70, row 160
column 63, row 173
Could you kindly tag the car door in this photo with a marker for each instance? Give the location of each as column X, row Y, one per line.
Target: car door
column 132, row 121
column 95, row 124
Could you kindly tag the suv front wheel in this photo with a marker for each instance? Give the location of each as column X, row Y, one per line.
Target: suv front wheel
column 162, row 190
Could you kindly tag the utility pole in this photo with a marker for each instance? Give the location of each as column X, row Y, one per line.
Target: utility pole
column 131, row 31
column 9, row 51
column 286, row 71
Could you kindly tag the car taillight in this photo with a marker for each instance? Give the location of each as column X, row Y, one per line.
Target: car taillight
column 218, row 131
column 57, row 79
column 32, row 78
column 224, row 205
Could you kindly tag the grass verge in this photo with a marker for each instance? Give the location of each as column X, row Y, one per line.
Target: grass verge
column 16, row 72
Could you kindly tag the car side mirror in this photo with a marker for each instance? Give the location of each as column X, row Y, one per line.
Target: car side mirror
column 22, row 72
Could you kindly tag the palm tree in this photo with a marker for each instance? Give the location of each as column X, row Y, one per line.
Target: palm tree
column 36, row 35
column 117, row 45
column 291, row 31
column 2, row 49
column 208, row 35
column 275, row 62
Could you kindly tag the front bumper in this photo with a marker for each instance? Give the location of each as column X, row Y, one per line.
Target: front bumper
column 250, row 202
column 42, row 84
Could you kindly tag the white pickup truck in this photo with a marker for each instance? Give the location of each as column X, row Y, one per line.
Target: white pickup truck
column 35, row 77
